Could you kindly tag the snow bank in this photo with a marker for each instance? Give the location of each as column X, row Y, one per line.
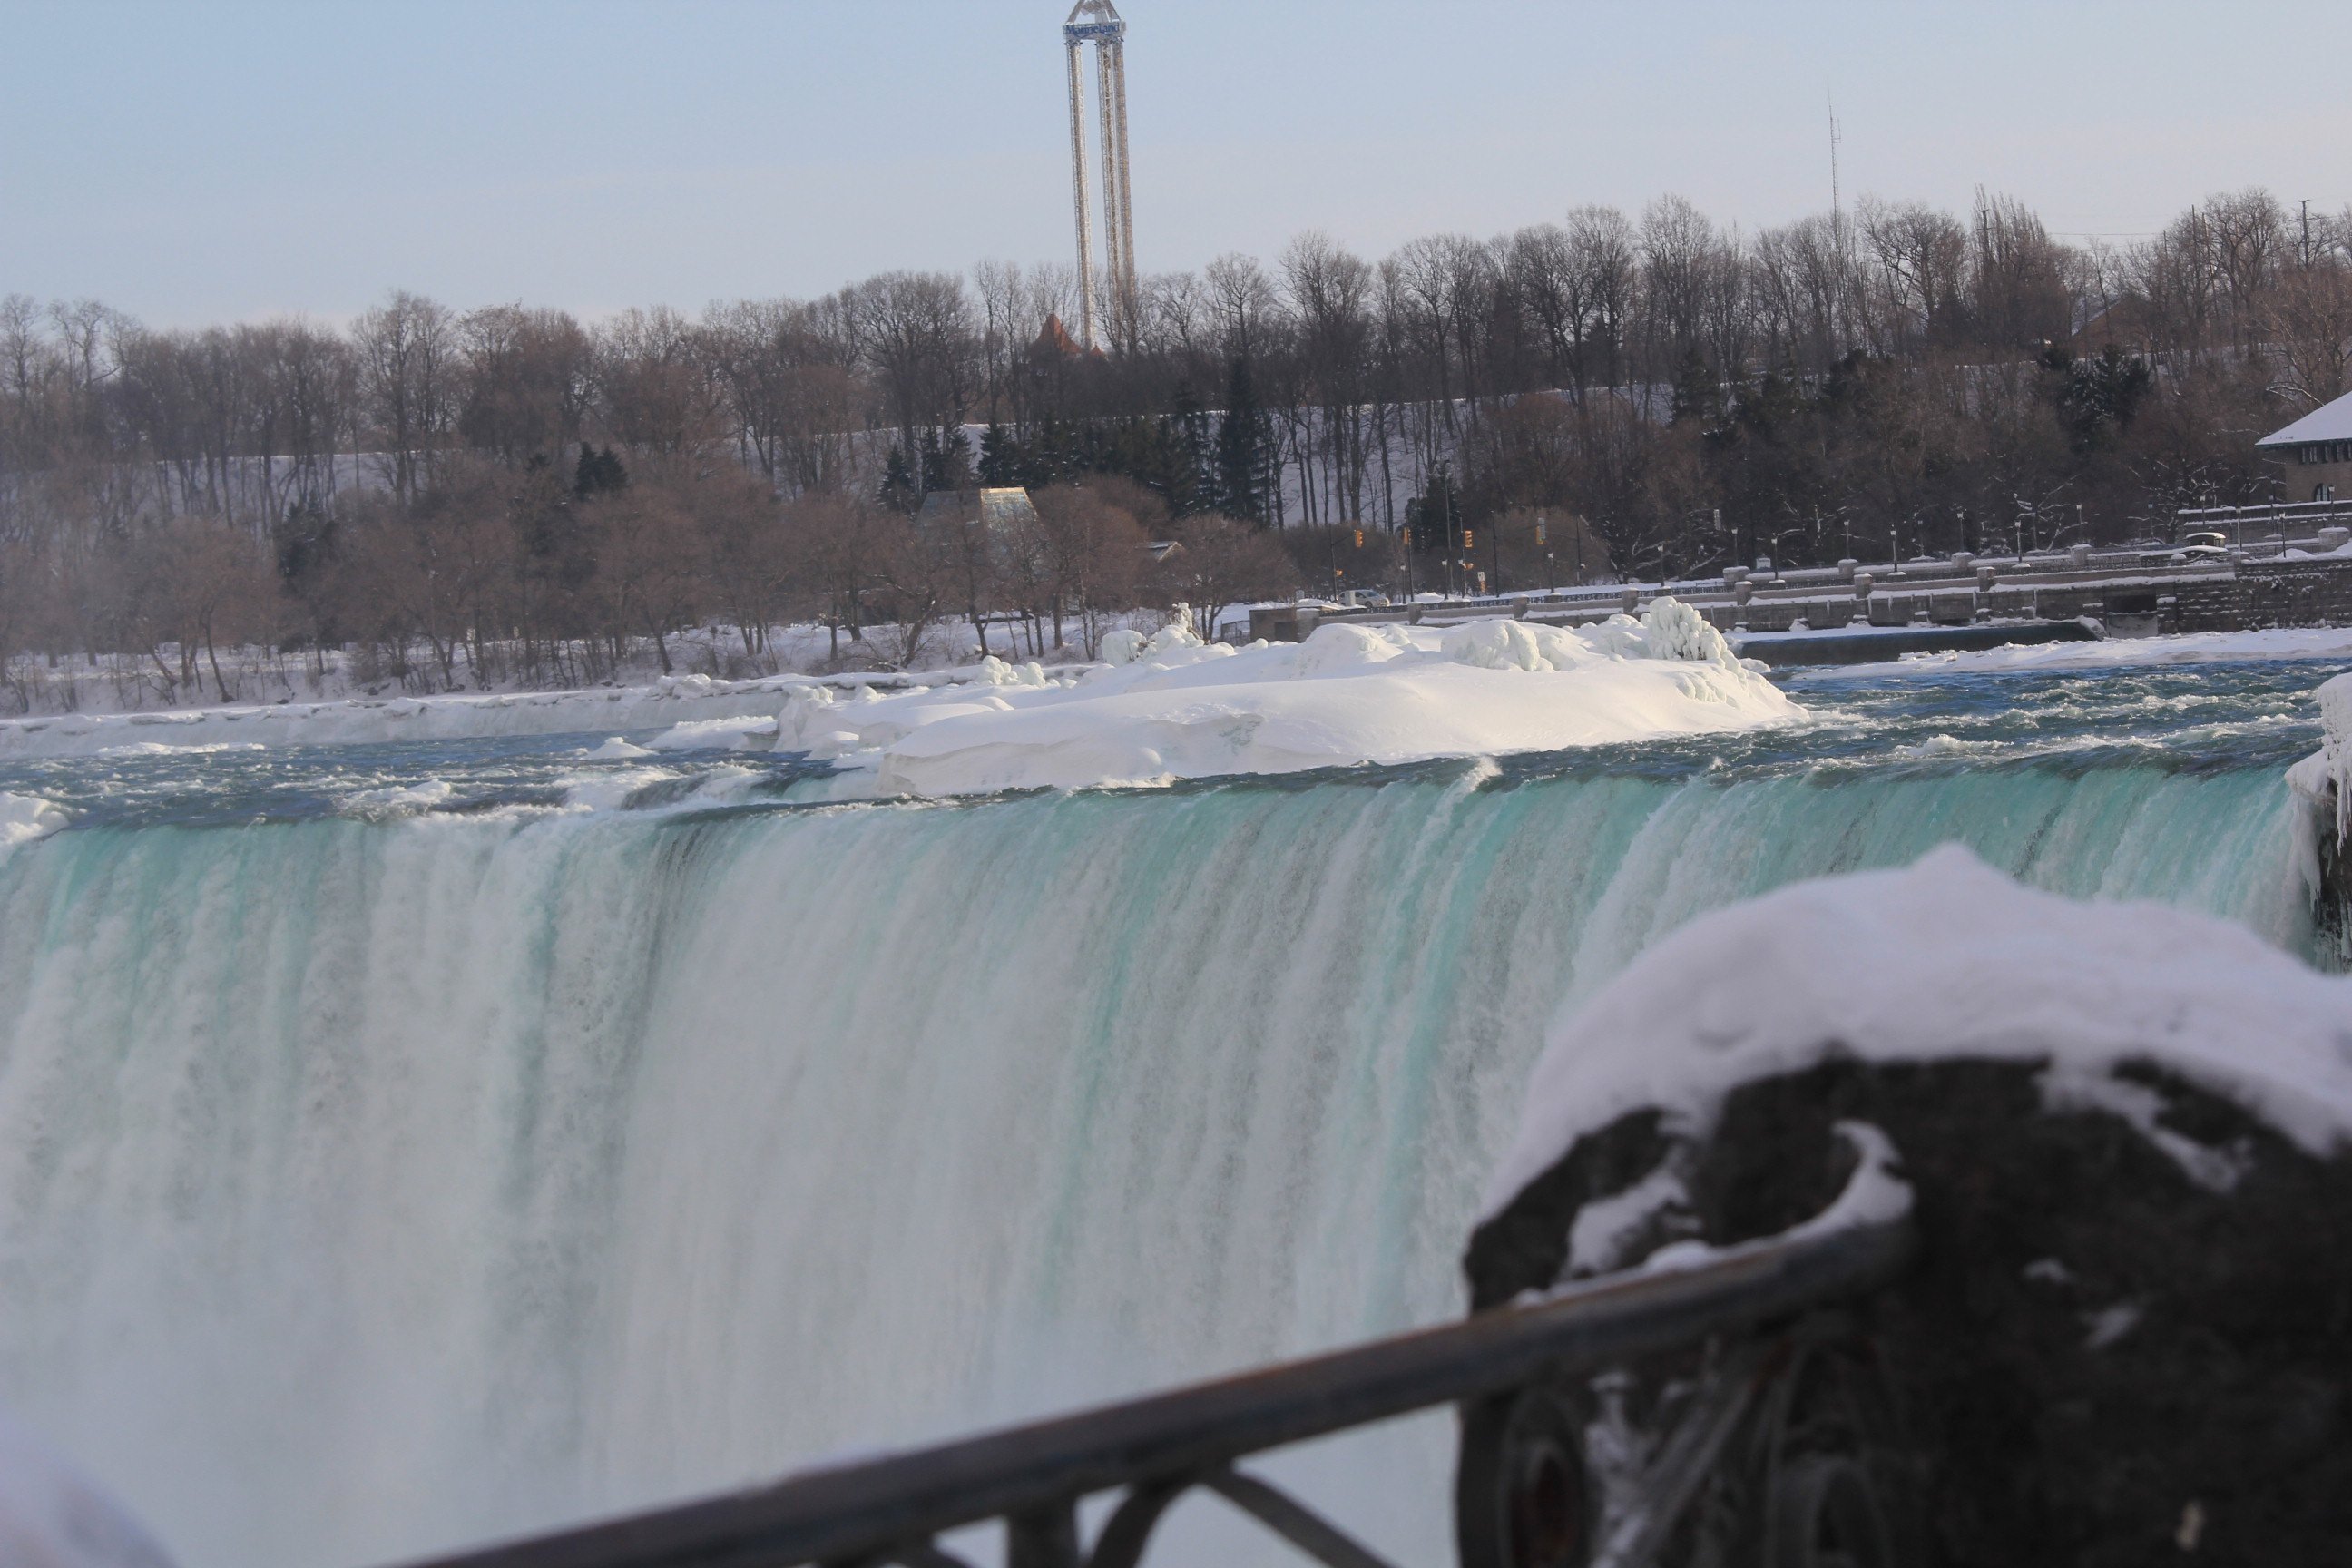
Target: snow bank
column 2110, row 653
column 50, row 1517
column 1172, row 708
column 1948, row 958
column 1160, row 708
column 673, row 703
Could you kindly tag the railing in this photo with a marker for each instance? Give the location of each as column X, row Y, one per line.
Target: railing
column 1033, row 1477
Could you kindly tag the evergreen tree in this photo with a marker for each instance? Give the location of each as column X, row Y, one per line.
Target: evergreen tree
column 1001, row 457
column 1198, row 488
column 1431, row 518
column 304, row 543
column 1242, row 439
column 597, row 473
column 2099, row 395
column 1698, row 393
column 898, row 492
column 947, row 462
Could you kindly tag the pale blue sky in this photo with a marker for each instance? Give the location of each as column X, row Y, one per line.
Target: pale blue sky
column 194, row 162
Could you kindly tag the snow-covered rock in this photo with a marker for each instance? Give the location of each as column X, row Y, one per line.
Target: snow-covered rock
column 2129, row 1135
column 1947, row 958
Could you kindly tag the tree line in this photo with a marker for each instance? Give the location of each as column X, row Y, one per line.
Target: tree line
column 512, row 494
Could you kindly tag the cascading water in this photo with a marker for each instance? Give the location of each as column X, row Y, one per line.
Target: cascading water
column 374, row 1182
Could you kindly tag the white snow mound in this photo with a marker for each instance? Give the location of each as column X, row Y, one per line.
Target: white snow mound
column 1948, row 958
column 1175, row 708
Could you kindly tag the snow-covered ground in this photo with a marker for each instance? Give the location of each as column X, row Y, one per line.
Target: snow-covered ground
column 1948, row 958
column 1160, row 708
column 2185, row 647
column 665, row 703
column 35, row 687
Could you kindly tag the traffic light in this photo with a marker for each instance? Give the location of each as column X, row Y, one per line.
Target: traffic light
column 1539, row 530
column 1469, row 542
column 1360, row 538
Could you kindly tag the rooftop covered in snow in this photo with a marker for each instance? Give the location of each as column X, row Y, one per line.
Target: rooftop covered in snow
column 2329, row 422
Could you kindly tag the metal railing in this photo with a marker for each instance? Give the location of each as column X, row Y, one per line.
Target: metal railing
column 1034, row 1477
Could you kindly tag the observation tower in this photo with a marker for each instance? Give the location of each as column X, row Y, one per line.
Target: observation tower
column 1097, row 22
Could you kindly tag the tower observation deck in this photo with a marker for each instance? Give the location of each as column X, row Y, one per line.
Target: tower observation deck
column 1110, row 295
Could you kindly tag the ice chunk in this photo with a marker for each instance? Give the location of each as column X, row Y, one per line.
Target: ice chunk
column 26, row 817
column 1672, row 629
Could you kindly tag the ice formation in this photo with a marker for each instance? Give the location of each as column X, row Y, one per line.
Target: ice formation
column 1948, row 958
column 24, row 817
column 2107, row 653
column 1171, row 707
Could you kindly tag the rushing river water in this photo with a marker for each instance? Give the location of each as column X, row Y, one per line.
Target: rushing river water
column 405, row 1144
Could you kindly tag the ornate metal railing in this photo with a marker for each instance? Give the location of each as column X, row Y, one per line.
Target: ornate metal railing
column 1567, row 1457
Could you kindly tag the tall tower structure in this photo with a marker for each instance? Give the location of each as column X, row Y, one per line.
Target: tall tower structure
column 1102, row 295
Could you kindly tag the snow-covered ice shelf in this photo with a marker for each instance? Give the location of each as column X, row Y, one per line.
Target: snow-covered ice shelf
column 1172, row 708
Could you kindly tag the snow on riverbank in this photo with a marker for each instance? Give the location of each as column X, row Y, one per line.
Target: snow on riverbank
column 2110, row 653
column 1948, row 958
column 1163, row 708
column 1172, row 708
column 359, row 721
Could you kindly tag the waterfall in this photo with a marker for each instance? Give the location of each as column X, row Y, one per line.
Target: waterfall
column 368, row 1187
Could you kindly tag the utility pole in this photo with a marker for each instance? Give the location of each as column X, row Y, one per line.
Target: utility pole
column 2305, row 205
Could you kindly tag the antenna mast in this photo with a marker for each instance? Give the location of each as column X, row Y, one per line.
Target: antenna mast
column 1837, row 209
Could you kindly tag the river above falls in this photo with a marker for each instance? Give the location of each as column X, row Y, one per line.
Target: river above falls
column 406, row 1143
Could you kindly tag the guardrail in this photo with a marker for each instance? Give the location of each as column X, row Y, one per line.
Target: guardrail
column 1518, row 1501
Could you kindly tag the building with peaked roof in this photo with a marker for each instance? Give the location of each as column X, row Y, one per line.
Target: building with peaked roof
column 1000, row 508
column 2316, row 452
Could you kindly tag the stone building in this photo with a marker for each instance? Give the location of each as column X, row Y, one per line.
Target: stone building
column 2316, row 453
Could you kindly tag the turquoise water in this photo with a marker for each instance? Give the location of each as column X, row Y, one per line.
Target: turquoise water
column 405, row 1144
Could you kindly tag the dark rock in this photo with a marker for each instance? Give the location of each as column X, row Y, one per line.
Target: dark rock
column 2101, row 1358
